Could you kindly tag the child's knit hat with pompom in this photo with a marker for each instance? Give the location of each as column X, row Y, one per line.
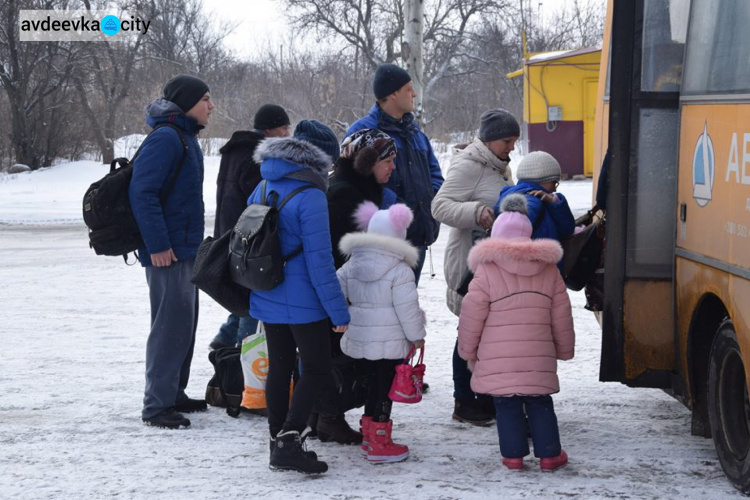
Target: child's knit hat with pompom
column 513, row 221
column 391, row 222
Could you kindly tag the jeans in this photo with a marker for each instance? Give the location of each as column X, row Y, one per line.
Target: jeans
column 462, row 384
column 313, row 342
column 169, row 349
column 235, row 329
column 461, row 378
column 511, row 429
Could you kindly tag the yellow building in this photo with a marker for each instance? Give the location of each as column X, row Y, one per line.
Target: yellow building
column 559, row 93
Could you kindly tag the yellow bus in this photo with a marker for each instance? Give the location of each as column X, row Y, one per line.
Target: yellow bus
column 674, row 118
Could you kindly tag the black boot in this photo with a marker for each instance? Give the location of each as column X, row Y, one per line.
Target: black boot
column 168, row 419
column 466, row 411
column 191, row 406
column 336, row 428
column 306, row 434
column 288, row 454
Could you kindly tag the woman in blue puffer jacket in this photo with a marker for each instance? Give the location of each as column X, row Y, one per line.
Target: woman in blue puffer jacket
column 296, row 312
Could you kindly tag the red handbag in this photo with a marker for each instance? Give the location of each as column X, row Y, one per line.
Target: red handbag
column 407, row 383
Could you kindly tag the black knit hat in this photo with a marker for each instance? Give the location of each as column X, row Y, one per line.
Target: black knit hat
column 497, row 124
column 185, row 91
column 320, row 135
column 270, row 116
column 388, row 79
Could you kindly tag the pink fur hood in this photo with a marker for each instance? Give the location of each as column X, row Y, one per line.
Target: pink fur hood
column 519, row 255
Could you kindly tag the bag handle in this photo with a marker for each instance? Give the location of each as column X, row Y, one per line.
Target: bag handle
column 412, row 353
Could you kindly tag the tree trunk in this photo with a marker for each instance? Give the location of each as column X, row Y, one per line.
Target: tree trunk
column 412, row 50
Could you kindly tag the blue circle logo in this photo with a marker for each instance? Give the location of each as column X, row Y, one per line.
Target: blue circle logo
column 703, row 168
column 110, row 25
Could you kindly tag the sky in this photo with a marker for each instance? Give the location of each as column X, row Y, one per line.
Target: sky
column 261, row 23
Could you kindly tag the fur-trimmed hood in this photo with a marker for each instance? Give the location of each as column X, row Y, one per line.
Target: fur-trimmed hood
column 519, row 255
column 383, row 253
column 295, row 155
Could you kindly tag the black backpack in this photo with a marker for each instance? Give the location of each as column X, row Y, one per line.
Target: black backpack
column 106, row 205
column 255, row 260
column 228, row 383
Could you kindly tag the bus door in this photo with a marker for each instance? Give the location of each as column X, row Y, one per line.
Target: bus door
column 648, row 40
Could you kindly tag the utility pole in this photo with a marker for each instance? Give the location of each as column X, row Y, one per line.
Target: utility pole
column 411, row 49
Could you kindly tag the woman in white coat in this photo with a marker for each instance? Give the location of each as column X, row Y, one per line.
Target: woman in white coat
column 477, row 173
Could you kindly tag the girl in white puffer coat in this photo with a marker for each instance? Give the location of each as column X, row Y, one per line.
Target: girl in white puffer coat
column 386, row 320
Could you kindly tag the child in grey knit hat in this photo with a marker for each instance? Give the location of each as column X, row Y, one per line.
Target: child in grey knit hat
column 538, row 177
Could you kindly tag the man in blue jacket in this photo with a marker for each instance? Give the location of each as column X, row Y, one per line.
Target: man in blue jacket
column 172, row 227
column 417, row 177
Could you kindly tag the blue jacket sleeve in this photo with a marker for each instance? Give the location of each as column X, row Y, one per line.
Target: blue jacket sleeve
column 316, row 245
column 159, row 155
column 562, row 216
column 436, row 175
column 389, row 198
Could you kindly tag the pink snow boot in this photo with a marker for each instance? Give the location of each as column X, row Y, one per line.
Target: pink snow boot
column 513, row 463
column 554, row 463
column 365, row 423
column 381, row 448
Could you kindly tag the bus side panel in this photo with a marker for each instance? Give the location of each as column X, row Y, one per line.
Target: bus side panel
column 649, row 327
column 714, row 182
column 713, row 244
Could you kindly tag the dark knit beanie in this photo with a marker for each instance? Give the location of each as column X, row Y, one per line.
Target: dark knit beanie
column 497, row 124
column 388, row 79
column 270, row 116
column 320, row 135
column 185, row 91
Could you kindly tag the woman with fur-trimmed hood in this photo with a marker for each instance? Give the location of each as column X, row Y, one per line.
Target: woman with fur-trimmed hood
column 296, row 312
column 378, row 281
column 515, row 323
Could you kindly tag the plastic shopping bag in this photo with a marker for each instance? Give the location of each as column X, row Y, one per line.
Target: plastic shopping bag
column 254, row 359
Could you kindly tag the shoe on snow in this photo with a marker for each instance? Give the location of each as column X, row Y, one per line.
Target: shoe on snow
column 554, row 463
column 191, row 406
column 288, row 454
column 168, row 419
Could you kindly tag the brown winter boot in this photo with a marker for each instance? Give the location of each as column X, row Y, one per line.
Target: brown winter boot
column 335, row 428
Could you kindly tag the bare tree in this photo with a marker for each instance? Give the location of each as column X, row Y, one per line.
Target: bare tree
column 105, row 72
column 373, row 28
column 35, row 78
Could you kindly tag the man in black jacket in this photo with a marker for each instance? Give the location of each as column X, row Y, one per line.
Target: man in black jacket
column 239, row 174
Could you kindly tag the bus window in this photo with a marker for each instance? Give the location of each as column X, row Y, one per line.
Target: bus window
column 718, row 61
column 664, row 33
column 651, row 219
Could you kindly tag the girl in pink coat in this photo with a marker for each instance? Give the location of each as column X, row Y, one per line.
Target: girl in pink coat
column 515, row 323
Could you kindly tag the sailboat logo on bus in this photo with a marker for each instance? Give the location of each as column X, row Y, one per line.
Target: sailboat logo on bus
column 703, row 168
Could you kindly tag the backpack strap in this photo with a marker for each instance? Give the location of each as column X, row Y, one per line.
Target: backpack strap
column 288, row 197
column 173, row 179
column 540, row 215
column 292, row 194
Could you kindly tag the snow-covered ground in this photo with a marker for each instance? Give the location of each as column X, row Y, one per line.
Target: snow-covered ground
column 73, row 331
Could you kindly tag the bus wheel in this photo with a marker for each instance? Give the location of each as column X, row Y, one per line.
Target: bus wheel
column 729, row 407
